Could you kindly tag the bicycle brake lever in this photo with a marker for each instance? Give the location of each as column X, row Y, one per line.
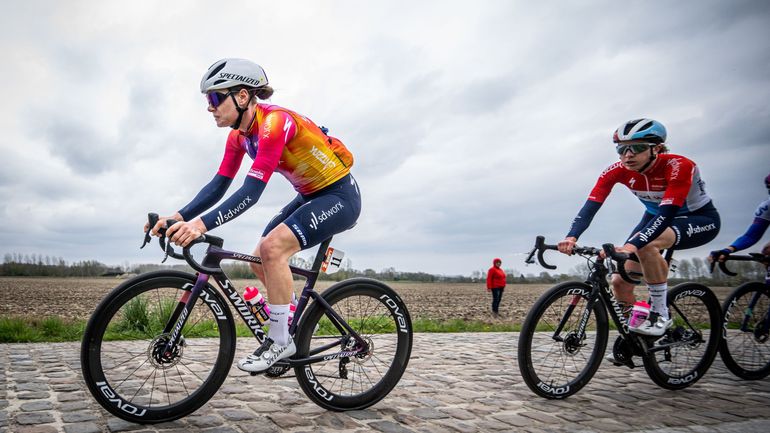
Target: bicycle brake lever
column 166, row 247
column 152, row 219
column 147, row 238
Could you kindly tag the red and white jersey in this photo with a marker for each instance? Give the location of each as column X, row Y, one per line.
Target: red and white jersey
column 671, row 180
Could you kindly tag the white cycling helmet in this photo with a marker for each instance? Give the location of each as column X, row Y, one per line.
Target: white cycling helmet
column 227, row 73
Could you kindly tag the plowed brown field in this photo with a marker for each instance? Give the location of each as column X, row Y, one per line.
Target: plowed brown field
column 76, row 298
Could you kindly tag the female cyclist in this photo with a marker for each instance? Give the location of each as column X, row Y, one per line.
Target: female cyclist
column 276, row 139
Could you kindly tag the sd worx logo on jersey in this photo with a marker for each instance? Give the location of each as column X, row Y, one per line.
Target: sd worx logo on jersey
column 232, row 213
column 318, row 219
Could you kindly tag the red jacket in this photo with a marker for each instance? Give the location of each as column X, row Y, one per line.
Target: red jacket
column 495, row 277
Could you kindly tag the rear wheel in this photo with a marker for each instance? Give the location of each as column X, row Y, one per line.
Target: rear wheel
column 683, row 355
column 352, row 374
column 123, row 356
column 555, row 359
column 745, row 348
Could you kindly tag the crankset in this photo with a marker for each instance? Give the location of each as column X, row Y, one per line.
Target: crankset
column 623, row 353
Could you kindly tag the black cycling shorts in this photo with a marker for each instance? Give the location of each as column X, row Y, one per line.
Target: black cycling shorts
column 316, row 217
column 692, row 230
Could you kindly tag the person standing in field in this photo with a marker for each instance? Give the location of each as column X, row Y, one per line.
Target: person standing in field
column 496, row 285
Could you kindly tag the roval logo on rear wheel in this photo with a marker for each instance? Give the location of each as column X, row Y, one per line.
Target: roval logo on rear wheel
column 122, row 405
column 681, row 381
column 399, row 315
column 324, row 394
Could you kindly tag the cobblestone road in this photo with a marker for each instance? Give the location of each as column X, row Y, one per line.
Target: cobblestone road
column 454, row 383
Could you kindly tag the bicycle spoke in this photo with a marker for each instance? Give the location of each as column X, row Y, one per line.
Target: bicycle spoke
column 142, row 371
column 375, row 322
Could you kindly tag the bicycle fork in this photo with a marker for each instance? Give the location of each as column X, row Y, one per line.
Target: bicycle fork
column 567, row 314
column 574, row 340
column 181, row 314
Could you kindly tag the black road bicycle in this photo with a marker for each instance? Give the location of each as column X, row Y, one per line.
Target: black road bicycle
column 745, row 348
column 161, row 344
column 564, row 337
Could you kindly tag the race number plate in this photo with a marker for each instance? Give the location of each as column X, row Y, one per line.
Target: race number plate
column 333, row 261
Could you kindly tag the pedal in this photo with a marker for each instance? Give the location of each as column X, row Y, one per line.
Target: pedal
column 629, row 363
column 277, row 370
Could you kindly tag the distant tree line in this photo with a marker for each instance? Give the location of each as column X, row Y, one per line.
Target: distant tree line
column 35, row 265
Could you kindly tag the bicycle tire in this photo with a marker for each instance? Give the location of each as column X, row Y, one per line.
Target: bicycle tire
column 118, row 360
column 377, row 313
column 744, row 352
column 693, row 339
column 558, row 369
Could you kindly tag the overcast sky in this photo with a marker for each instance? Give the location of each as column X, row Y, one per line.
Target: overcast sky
column 475, row 125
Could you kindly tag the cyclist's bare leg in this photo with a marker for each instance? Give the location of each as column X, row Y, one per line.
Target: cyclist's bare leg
column 257, row 267
column 655, row 271
column 654, row 266
column 624, row 291
column 275, row 250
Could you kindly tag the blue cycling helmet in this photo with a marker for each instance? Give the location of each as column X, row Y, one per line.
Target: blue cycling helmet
column 640, row 130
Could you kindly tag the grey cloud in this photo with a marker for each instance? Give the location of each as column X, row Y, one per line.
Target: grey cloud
column 79, row 145
column 485, row 95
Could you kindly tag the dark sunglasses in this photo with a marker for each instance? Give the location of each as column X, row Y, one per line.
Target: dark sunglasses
column 635, row 148
column 215, row 99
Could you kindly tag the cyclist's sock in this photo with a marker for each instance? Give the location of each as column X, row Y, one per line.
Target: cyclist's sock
column 279, row 324
column 658, row 299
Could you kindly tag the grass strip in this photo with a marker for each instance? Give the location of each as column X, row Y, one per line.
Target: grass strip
column 56, row 329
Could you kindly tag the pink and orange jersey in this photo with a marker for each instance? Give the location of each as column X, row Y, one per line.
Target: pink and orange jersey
column 284, row 141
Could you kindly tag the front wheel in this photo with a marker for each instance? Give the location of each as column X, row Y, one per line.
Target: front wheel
column 745, row 347
column 348, row 374
column 685, row 352
column 123, row 356
column 556, row 357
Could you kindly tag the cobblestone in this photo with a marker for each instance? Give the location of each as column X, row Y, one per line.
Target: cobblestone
column 474, row 387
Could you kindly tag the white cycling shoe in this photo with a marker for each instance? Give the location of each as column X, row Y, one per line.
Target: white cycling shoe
column 654, row 326
column 266, row 355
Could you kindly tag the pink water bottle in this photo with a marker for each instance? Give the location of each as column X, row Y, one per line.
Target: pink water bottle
column 257, row 304
column 639, row 314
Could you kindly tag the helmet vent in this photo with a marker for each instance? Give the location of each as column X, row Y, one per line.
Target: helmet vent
column 217, row 69
column 630, row 125
column 219, row 81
